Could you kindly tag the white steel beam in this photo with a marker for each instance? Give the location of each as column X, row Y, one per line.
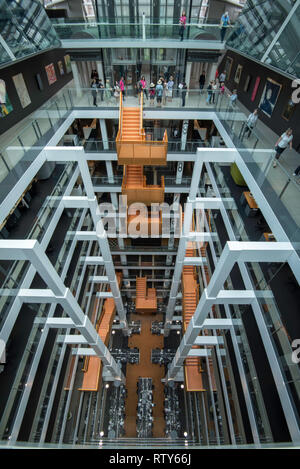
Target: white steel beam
column 31, row 250
column 204, row 352
column 71, row 339
column 233, row 252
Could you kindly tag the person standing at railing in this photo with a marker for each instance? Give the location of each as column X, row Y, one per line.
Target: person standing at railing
column 101, row 88
column 183, row 93
column 143, row 86
column 94, row 87
column 214, row 88
column 152, row 94
column 108, row 90
column 282, row 143
column 117, row 91
column 225, row 22
column 159, row 92
column 122, row 87
column 170, row 85
column 182, row 22
column 209, row 93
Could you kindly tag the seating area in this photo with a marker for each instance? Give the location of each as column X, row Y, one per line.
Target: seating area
column 146, row 301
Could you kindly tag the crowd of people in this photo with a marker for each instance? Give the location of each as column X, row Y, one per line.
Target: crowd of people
column 163, row 92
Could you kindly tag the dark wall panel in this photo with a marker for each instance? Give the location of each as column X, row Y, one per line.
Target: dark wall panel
column 276, row 122
column 29, row 69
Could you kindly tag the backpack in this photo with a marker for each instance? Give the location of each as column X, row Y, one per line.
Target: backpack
column 159, row 90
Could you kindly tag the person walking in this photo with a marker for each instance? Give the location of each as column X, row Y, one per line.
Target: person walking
column 94, row 87
column 282, row 143
column 159, row 92
column 183, row 93
column 297, row 172
column 122, row 87
column 182, row 22
column 202, row 81
column 224, row 23
column 251, row 123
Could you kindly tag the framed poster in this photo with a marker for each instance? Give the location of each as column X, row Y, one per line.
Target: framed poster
column 60, row 67
column 39, row 81
column 5, row 104
column 238, row 73
column 50, row 70
column 68, row 63
column 257, row 82
column 228, row 66
column 21, row 90
column 269, row 96
column 289, row 110
column 247, row 83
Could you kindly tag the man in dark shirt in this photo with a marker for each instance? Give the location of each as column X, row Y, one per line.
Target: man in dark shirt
column 202, row 81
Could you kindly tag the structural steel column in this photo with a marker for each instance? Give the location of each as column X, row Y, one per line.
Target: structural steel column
column 188, row 216
column 213, row 294
column 57, row 291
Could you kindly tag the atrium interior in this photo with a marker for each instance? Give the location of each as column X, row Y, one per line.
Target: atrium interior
column 149, row 224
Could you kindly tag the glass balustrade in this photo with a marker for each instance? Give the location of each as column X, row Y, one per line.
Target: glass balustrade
column 156, row 29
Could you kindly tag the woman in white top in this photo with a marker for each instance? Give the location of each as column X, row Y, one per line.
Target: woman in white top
column 282, row 143
column 170, row 85
column 251, row 122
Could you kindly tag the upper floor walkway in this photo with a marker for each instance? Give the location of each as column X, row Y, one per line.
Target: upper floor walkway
column 144, row 34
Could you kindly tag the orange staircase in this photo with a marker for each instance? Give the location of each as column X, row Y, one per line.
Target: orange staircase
column 93, row 365
column 146, row 301
column 131, row 125
column 134, row 186
column 132, row 146
column 190, row 296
